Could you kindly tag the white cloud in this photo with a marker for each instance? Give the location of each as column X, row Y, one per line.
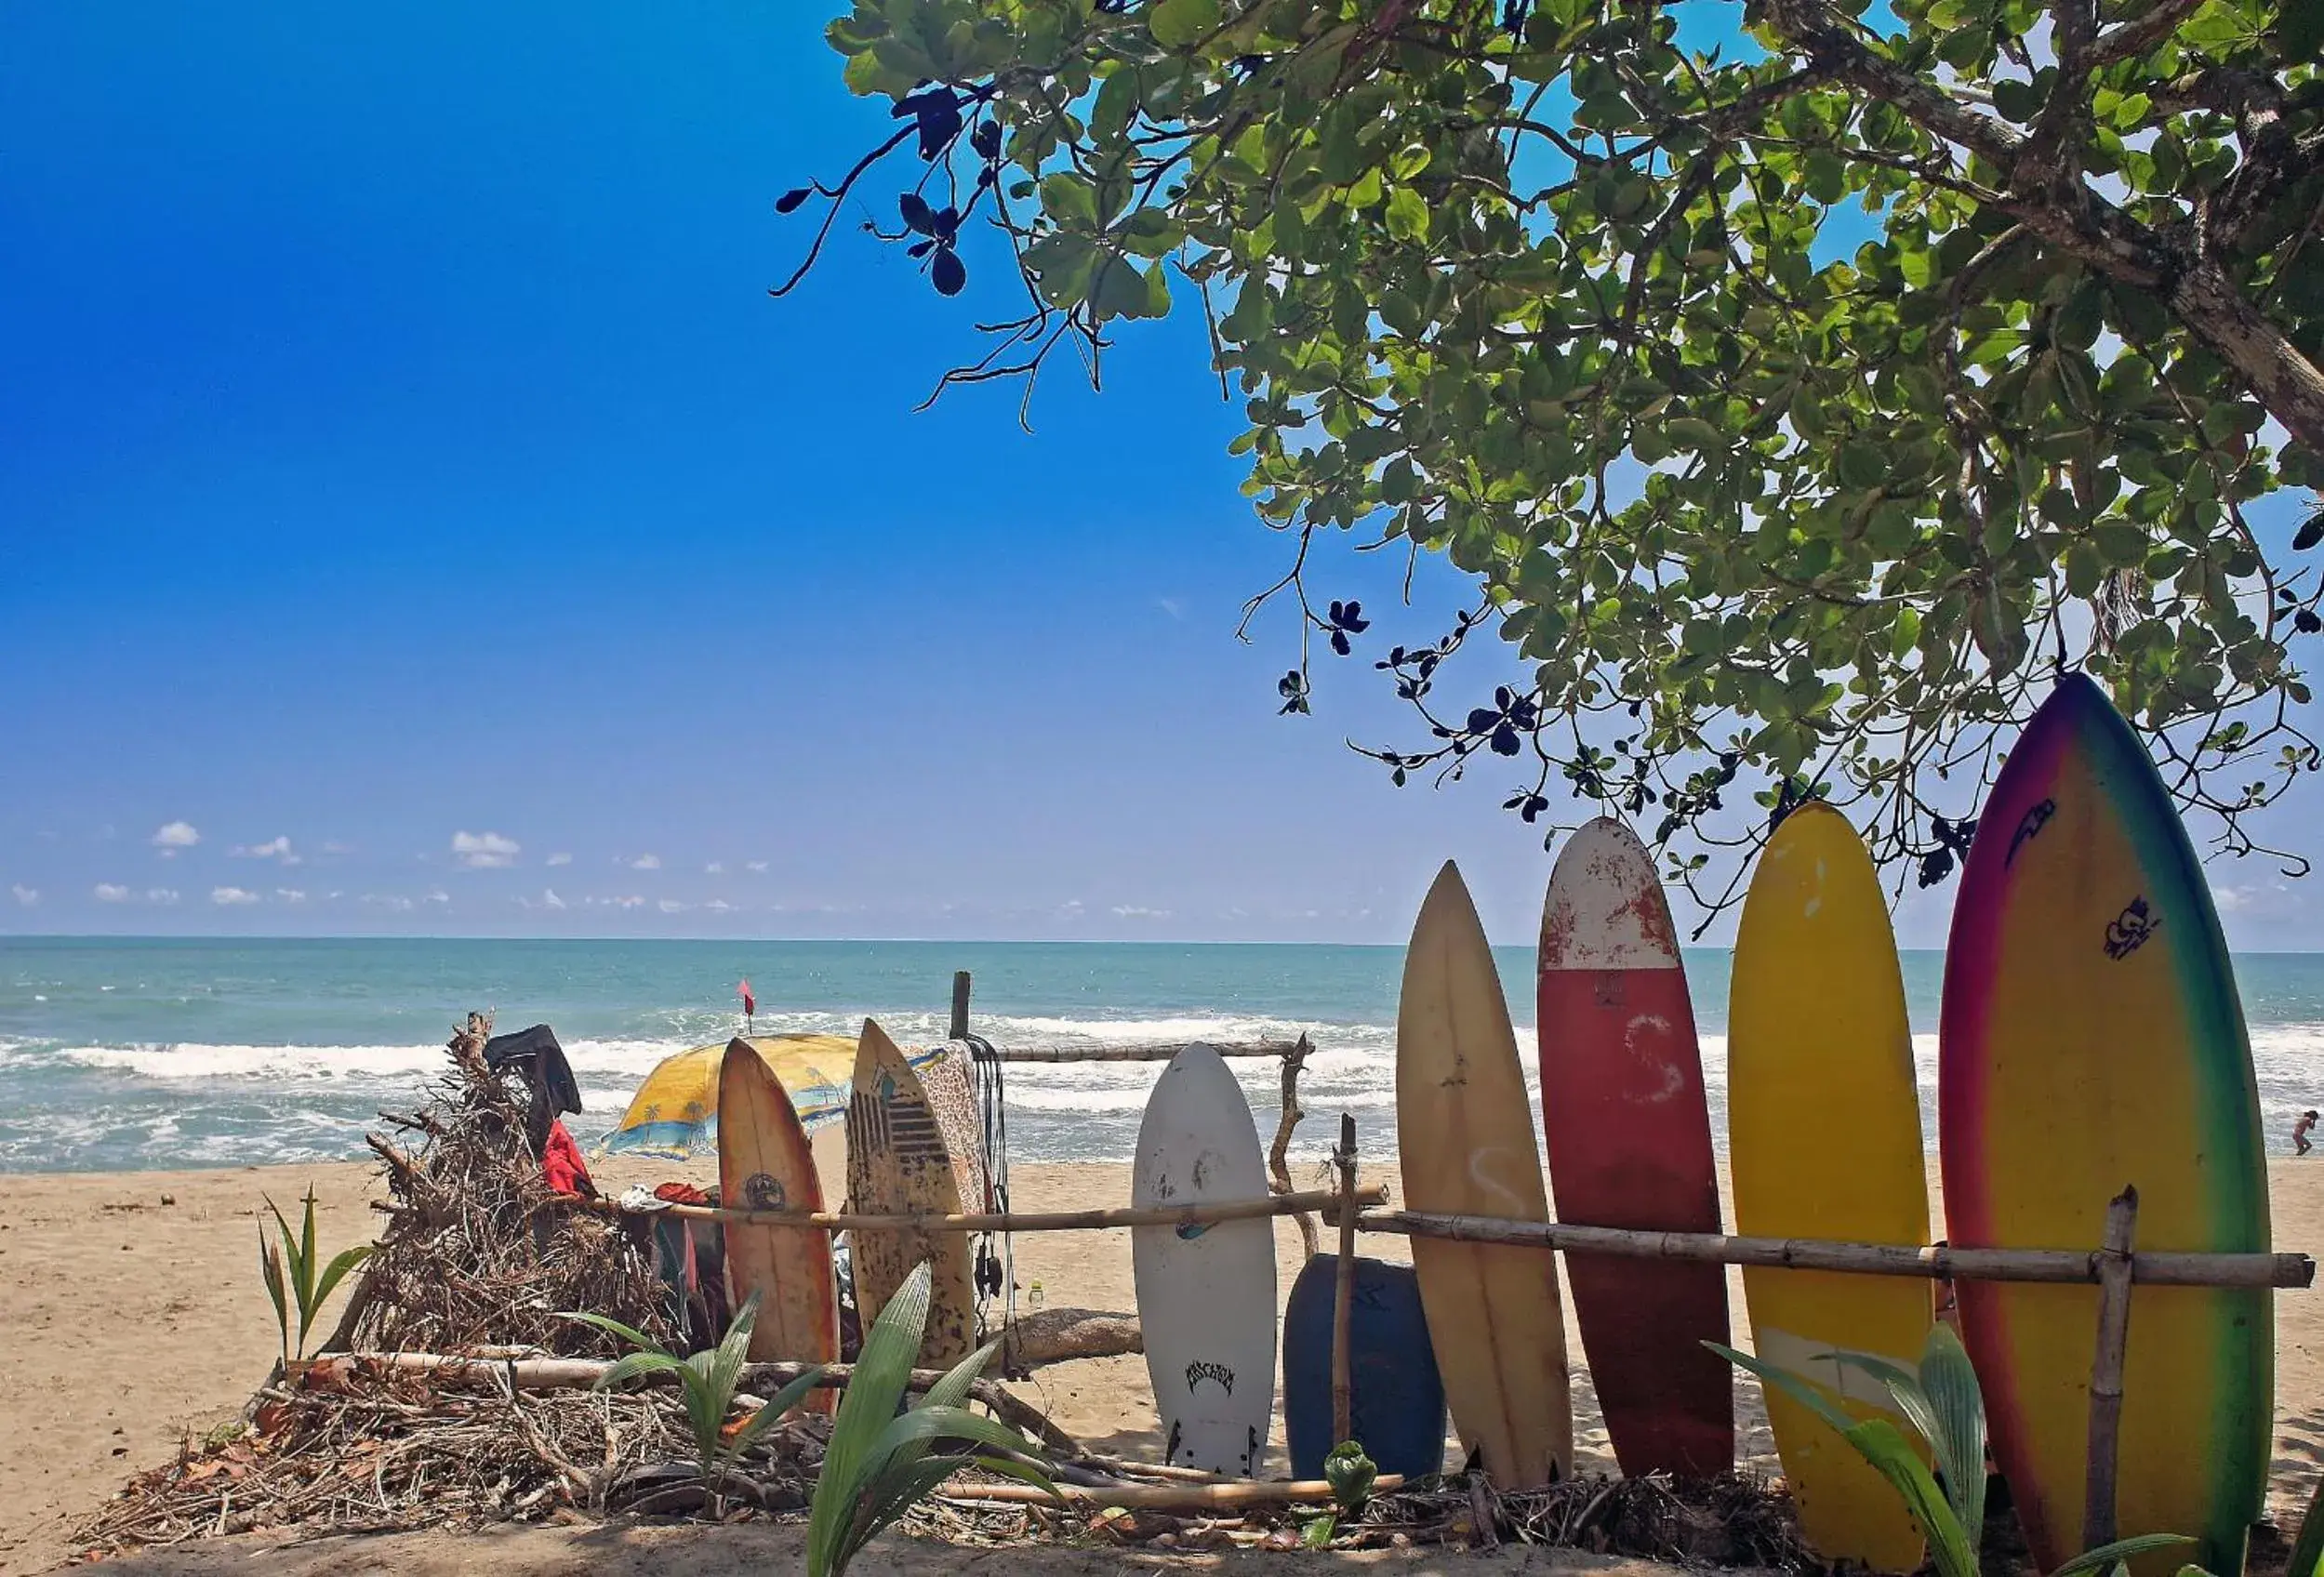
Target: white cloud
column 161, row 894
column 112, row 892
column 273, row 849
column 1139, row 911
column 719, row 905
column 1172, row 607
column 549, row 899
column 290, row 894
column 630, row 902
column 232, row 896
column 646, row 862
column 335, row 847
column 438, row 896
column 756, row 867
column 28, row 896
column 560, row 858
column 393, row 901
column 672, row 906
column 174, row 836
column 485, row 851
column 716, row 868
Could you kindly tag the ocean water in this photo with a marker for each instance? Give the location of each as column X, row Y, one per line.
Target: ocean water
column 123, row 1053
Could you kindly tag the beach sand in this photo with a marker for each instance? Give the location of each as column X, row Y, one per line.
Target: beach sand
column 134, row 1315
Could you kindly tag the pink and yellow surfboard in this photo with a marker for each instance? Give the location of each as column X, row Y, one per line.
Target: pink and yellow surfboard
column 2092, row 1037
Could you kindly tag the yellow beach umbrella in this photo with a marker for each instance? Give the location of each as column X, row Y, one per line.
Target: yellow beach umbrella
column 674, row 1113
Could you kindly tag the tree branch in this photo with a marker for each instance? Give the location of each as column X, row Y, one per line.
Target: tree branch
column 2142, row 33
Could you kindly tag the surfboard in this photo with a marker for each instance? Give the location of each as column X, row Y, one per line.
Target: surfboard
column 898, row 1164
column 1824, row 1133
column 947, row 1076
column 1465, row 1140
column 766, row 1162
column 1396, row 1399
column 2092, row 1037
column 1629, row 1140
column 1205, row 1293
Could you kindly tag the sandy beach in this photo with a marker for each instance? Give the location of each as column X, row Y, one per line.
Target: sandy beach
column 136, row 1316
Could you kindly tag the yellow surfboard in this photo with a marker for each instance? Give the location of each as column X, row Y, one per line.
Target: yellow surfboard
column 1465, row 1139
column 1824, row 1133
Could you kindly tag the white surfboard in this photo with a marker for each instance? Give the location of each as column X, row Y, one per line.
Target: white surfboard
column 1206, row 1293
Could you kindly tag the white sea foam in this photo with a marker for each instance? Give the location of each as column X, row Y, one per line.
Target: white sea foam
column 299, row 1103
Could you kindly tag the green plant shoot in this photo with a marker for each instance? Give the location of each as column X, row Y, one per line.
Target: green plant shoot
column 709, row 1381
column 1943, row 1403
column 292, row 1279
column 880, row 1463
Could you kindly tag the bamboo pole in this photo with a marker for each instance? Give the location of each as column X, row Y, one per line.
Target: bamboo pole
column 1344, row 1284
column 1164, row 1497
column 1279, row 1153
column 2158, row 1267
column 960, row 1006
column 1018, row 1220
column 2105, row 1368
column 1146, row 1053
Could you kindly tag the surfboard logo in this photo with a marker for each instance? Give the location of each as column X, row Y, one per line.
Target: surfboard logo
column 2029, row 827
column 1199, row 1371
column 760, row 1191
column 2128, row 931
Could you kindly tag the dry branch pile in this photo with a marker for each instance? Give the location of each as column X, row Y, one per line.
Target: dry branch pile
column 475, row 1252
column 348, row 1450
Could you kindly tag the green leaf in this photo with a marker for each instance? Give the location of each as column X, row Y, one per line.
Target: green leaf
column 2307, row 1549
column 1177, row 24
column 1957, row 1404
column 2122, row 1549
column 1951, row 1549
column 337, row 1271
column 1150, row 232
column 628, row 1334
column 1407, row 215
column 782, row 1402
column 632, row 1366
column 1117, row 102
column 1121, row 291
column 882, row 1371
column 271, row 1273
column 1070, row 199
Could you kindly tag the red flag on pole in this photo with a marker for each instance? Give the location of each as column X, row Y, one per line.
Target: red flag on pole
column 750, row 1005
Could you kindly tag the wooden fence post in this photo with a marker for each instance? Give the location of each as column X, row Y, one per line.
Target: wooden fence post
column 1343, row 1286
column 2105, row 1368
column 959, row 1031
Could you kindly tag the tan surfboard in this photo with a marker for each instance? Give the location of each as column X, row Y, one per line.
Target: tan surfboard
column 1465, row 1142
column 765, row 1162
column 898, row 1164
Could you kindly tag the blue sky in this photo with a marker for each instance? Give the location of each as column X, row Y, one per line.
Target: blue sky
column 413, row 501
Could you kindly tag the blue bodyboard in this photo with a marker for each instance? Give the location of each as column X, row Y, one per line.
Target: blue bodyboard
column 1397, row 1397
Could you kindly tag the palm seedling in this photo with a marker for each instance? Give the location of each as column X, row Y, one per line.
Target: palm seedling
column 1942, row 1401
column 2307, row 1550
column 881, row 1463
column 709, row 1381
column 292, row 1276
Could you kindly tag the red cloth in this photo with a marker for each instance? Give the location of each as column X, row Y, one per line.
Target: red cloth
column 682, row 1194
column 560, row 1160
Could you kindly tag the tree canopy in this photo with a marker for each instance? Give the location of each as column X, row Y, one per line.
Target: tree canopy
column 1803, row 382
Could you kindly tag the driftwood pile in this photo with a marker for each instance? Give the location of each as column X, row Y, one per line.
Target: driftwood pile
column 478, row 1251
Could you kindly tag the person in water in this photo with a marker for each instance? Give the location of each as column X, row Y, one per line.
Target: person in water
column 2300, row 1144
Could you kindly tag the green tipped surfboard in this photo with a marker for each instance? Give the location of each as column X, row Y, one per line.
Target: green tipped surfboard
column 2093, row 1038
